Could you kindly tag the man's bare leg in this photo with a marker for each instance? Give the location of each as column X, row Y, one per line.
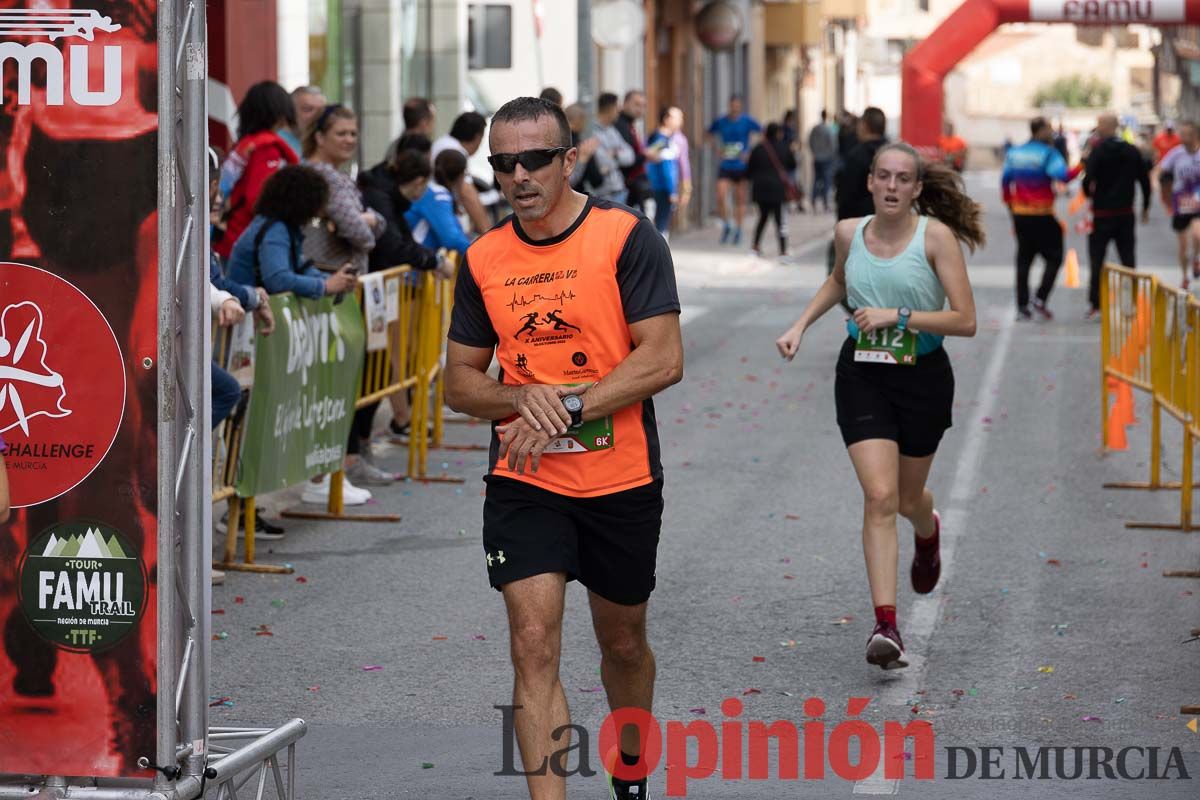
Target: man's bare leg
column 627, row 667
column 535, row 612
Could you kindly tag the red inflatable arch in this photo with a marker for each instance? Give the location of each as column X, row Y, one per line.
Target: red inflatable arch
column 927, row 64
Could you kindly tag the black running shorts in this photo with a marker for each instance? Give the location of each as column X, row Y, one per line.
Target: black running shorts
column 1180, row 222
column 607, row 543
column 909, row 405
column 735, row 175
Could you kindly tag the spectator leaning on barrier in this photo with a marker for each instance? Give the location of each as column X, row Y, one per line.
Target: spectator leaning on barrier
column 432, row 218
column 349, row 228
column 270, row 252
column 390, row 188
column 260, row 152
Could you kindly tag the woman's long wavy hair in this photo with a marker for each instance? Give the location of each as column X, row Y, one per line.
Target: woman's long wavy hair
column 944, row 197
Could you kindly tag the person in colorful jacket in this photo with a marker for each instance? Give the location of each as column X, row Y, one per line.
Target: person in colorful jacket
column 1027, row 183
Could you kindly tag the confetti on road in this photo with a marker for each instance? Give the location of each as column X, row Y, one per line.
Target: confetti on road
column 302, row 579
column 215, row 702
column 218, row 611
column 697, row 711
column 1070, row 697
column 426, row 765
column 841, row 621
column 263, row 630
column 278, row 603
column 751, row 691
column 440, row 638
column 759, row 659
column 239, row 600
column 479, row 637
column 1090, row 719
column 1046, row 669
column 220, row 637
column 591, row 689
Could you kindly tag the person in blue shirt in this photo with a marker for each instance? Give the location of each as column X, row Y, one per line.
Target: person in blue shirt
column 663, row 170
column 734, row 135
column 432, row 216
column 269, row 253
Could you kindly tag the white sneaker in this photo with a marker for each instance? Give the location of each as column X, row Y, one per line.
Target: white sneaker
column 318, row 493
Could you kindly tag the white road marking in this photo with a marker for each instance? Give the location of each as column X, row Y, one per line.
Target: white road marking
column 919, row 621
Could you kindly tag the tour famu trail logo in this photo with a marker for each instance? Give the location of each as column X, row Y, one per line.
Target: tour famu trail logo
column 28, row 387
column 83, row 586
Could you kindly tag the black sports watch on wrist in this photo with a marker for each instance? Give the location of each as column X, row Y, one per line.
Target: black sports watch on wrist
column 573, row 403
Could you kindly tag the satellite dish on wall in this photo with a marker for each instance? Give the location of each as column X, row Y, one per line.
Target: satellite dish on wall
column 617, row 24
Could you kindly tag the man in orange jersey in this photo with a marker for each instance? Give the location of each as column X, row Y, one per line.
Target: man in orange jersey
column 574, row 489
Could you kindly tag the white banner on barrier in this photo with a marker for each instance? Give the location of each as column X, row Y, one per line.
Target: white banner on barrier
column 1107, row 12
column 375, row 311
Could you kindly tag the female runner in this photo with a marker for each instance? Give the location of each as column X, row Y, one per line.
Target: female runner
column 895, row 388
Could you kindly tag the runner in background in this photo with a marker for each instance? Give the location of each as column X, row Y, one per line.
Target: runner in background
column 1179, row 181
column 1027, row 184
column 953, row 148
column 822, row 144
column 1112, row 172
column 663, row 171
column 897, row 268
column 1165, row 141
column 733, row 135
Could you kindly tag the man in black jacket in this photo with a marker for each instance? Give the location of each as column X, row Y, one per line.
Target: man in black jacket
column 1113, row 170
column 635, row 175
column 853, row 199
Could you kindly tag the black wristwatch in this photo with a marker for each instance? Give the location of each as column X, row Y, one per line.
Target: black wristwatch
column 573, row 403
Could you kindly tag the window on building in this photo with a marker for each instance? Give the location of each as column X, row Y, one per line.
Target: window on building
column 489, row 36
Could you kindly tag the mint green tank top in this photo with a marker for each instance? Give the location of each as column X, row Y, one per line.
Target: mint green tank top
column 906, row 279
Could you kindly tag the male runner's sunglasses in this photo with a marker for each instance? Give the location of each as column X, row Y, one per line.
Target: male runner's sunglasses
column 531, row 160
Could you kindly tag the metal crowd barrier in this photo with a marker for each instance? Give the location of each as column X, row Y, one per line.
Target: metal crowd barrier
column 412, row 362
column 1149, row 340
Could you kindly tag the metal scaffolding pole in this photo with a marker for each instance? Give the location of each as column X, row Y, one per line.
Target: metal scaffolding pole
column 182, row 759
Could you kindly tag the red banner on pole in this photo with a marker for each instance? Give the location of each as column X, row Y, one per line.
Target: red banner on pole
column 78, row 392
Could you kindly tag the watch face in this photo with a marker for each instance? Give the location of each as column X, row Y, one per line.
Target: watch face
column 573, row 403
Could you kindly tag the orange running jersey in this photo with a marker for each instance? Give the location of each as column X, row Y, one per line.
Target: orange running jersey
column 558, row 311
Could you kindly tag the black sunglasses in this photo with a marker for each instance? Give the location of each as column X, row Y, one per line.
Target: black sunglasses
column 531, row 160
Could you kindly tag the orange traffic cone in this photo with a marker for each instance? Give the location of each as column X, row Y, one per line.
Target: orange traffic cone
column 1125, row 404
column 1116, row 431
column 1072, row 277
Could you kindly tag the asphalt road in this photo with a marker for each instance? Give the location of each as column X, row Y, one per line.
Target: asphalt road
column 761, row 559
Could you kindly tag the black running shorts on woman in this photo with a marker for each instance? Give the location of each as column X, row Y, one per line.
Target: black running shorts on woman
column 608, row 543
column 911, row 405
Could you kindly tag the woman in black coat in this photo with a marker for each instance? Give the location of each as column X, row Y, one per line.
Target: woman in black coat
column 770, row 179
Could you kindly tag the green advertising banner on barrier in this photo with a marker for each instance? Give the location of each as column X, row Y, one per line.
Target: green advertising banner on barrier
column 306, row 377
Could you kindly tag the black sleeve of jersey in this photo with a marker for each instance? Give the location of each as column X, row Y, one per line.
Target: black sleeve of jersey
column 646, row 274
column 469, row 321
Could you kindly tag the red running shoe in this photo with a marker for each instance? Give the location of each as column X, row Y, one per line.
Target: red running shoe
column 885, row 649
column 927, row 565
